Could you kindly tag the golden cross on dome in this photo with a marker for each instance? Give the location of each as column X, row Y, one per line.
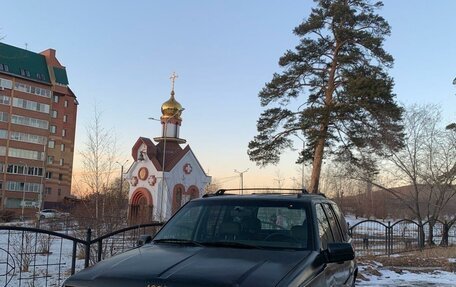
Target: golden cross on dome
column 173, row 78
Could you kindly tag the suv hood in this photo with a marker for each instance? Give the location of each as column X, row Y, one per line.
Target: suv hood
column 169, row 265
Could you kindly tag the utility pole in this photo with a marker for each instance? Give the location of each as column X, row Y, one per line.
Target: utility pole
column 241, row 174
column 25, row 171
column 121, row 174
column 279, row 180
column 42, row 189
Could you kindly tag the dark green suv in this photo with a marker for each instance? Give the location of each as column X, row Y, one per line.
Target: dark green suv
column 267, row 239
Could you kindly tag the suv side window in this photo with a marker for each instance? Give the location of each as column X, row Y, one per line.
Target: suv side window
column 341, row 219
column 333, row 223
column 214, row 216
column 186, row 224
column 324, row 230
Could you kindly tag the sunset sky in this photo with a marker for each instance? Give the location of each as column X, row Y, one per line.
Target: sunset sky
column 119, row 55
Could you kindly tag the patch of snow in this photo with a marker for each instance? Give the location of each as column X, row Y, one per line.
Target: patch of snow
column 377, row 263
column 376, row 275
column 406, row 278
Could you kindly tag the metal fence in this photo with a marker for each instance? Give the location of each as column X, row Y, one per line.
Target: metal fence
column 373, row 237
column 38, row 257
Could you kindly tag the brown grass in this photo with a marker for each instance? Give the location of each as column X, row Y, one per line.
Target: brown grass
column 428, row 259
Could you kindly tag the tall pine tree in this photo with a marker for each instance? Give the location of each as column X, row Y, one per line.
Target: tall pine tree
column 338, row 73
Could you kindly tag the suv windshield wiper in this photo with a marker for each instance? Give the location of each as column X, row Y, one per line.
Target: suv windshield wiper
column 230, row 244
column 178, row 241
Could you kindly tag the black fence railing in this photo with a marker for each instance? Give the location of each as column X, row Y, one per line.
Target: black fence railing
column 373, row 237
column 38, row 257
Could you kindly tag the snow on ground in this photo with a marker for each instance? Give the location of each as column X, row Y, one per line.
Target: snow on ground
column 377, row 275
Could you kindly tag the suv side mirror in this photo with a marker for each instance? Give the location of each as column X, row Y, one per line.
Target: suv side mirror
column 340, row 252
column 143, row 239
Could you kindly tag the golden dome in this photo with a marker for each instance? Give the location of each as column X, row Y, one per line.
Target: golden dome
column 171, row 108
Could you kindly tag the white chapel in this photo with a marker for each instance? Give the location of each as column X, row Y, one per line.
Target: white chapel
column 163, row 175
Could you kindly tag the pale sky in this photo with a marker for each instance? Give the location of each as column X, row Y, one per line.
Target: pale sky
column 120, row 54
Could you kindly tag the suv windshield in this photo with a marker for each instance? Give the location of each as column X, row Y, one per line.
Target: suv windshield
column 240, row 224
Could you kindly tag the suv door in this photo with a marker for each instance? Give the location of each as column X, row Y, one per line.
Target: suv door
column 335, row 273
column 344, row 268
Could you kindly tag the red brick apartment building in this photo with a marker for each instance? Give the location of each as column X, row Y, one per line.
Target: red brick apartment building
column 37, row 130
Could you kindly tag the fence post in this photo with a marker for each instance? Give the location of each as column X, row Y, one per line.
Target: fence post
column 87, row 247
column 100, row 250
column 73, row 259
column 389, row 239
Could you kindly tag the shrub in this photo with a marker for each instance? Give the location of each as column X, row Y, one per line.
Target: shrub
column 6, row 215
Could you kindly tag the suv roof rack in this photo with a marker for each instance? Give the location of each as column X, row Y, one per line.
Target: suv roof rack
column 265, row 191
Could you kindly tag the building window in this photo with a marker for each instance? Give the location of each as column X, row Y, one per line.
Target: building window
column 3, row 117
column 23, row 186
column 62, row 147
column 60, row 176
column 1, row 67
column 53, row 129
column 65, row 104
column 50, row 159
column 63, row 132
column 3, row 134
column 31, row 105
column 31, row 122
column 54, row 114
column 25, row 72
column 62, row 161
column 21, row 169
column 33, row 90
column 5, row 100
column 26, row 154
column 65, row 118
column 51, row 144
column 48, row 190
column 48, row 175
column 59, row 191
column 6, row 84
column 23, row 137
column 56, row 99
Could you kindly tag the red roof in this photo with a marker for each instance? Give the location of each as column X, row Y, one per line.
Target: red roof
column 174, row 153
